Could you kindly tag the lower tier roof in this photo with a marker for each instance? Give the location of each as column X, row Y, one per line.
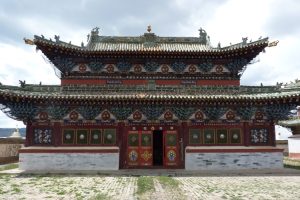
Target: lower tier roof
column 55, row 92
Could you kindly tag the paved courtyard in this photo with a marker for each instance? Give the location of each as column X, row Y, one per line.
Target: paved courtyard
column 120, row 186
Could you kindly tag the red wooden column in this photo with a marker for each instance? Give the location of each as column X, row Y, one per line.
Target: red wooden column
column 57, row 135
column 29, row 134
column 246, row 134
column 272, row 134
column 121, row 143
column 185, row 138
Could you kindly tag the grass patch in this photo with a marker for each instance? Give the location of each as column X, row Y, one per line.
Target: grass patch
column 291, row 163
column 15, row 188
column 99, row 197
column 9, row 166
column 144, row 184
column 168, row 181
column 61, row 192
column 291, row 166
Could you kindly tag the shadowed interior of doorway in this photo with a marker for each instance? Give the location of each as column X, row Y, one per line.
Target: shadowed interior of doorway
column 157, row 148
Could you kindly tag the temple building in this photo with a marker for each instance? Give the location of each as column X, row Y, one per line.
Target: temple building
column 293, row 123
column 149, row 102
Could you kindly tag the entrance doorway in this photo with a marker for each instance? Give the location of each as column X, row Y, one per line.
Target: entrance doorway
column 157, row 148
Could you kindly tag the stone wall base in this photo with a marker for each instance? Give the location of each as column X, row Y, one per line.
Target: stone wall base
column 227, row 158
column 66, row 159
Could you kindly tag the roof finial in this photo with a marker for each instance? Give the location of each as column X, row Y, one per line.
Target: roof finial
column 273, row 44
column 95, row 31
column 203, row 36
column 149, row 28
column 28, row 41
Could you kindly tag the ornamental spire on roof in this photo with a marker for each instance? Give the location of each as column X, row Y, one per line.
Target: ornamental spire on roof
column 149, row 28
column 204, row 38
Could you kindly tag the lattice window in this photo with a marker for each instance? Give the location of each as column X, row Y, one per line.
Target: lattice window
column 82, row 136
column 209, row 136
column 109, row 136
column 259, row 136
column 222, row 137
column 235, row 136
column 68, row 136
column 42, row 136
column 96, row 136
column 195, row 136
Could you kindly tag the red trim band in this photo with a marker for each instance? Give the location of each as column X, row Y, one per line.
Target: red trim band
column 232, row 150
column 145, row 82
column 68, row 151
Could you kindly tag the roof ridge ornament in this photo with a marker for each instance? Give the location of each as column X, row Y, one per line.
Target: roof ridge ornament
column 95, row 31
column 244, row 40
column 204, row 38
column 273, row 44
column 56, row 37
column 94, row 35
column 28, row 41
column 149, row 28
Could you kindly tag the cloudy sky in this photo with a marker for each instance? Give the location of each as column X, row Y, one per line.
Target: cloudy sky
column 226, row 21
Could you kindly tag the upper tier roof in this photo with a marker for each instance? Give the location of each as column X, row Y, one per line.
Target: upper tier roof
column 225, row 93
column 148, row 42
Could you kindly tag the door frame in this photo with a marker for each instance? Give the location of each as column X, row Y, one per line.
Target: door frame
column 165, row 128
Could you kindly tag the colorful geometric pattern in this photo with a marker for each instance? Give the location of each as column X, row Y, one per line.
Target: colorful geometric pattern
column 171, row 155
column 171, row 139
column 146, row 155
column 133, row 155
column 259, row 136
column 42, row 136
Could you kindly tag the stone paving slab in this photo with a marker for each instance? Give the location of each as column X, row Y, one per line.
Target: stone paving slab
column 120, row 186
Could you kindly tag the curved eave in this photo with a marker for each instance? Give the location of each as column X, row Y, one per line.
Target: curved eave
column 290, row 123
column 52, row 48
column 294, row 97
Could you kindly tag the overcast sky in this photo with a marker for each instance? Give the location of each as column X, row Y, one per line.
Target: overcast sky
column 226, row 21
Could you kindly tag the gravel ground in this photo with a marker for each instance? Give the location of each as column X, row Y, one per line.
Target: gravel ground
column 22, row 186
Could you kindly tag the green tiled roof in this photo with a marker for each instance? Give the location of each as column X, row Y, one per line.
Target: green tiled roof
column 143, row 43
column 57, row 92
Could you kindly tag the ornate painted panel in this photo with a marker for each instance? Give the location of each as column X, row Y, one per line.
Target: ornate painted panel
column 195, row 136
column 88, row 136
column 221, row 136
column 235, row 136
column 109, row 136
column 171, row 148
column 68, row 136
column 209, row 136
column 82, row 136
column 43, row 136
column 259, row 135
column 96, row 136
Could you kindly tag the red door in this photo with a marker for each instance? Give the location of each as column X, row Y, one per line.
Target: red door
column 171, row 151
column 145, row 151
column 139, row 151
